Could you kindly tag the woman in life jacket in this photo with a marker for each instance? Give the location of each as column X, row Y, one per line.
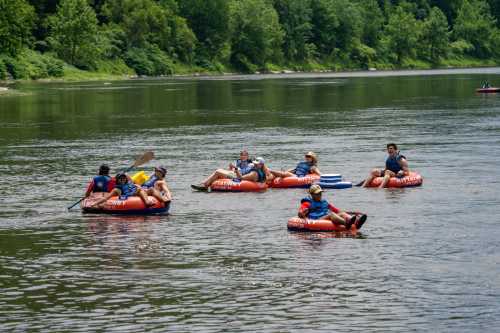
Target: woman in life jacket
column 101, row 183
column 304, row 168
column 259, row 173
column 316, row 208
column 156, row 185
column 396, row 165
column 125, row 188
column 243, row 165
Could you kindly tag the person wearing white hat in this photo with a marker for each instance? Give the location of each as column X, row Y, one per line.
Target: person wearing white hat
column 307, row 167
column 259, row 173
column 316, row 208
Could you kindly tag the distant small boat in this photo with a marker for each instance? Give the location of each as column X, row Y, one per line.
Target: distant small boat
column 488, row 90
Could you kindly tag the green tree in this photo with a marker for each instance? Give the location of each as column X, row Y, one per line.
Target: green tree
column 209, row 20
column 73, row 33
column 295, row 20
column 143, row 21
column 401, row 34
column 16, row 22
column 256, row 35
column 337, row 27
column 373, row 22
column 475, row 25
column 435, row 35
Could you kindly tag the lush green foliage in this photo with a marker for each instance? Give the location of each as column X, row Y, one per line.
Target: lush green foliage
column 16, row 22
column 161, row 37
column 73, row 33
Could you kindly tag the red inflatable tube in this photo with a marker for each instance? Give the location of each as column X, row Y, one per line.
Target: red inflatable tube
column 294, row 182
column 299, row 224
column 228, row 185
column 413, row 179
column 488, row 90
column 132, row 206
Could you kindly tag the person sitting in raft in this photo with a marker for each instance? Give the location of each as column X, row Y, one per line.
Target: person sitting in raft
column 304, row 168
column 485, row 85
column 396, row 165
column 316, row 208
column 243, row 165
column 101, row 183
column 259, row 172
column 156, row 185
column 125, row 188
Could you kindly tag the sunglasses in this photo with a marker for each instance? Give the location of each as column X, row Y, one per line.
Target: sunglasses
column 309, row 156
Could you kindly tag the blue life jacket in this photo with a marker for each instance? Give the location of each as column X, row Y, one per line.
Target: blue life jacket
column 261, row 175
column 100, row 183
column 317, row 209
column 244, row 166
column 128, row 189
column 302, row 169
column 150, row 182
column 392, row 163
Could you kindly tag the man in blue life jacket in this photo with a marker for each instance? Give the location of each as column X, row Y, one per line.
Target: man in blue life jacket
column 315, row 207
column 125, row 188
column 156, row 185
column 304, row 168
column 396, row 165
column 243, row 165
column 101, row 183
column 259, row 172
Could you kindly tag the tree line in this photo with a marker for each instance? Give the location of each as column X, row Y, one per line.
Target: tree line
column 160, row 37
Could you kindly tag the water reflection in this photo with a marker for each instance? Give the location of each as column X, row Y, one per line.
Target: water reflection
column 226, row 262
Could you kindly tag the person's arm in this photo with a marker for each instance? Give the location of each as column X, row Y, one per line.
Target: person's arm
column 291, row 170
column 237, row 171
column 333, row 208
column 304, row 209
column 315, row 170
column 403, row 163
column 165, row 190
column 267, row 171
column 89, row 188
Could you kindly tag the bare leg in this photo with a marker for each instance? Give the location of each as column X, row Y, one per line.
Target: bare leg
column 114, row 192
column 157, row 194
column 387, row 175
column 218, row 174
column 144, row 196
column 282, row 174
column 373, row 174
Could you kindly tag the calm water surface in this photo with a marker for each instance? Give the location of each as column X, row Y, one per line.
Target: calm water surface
column 427, row 259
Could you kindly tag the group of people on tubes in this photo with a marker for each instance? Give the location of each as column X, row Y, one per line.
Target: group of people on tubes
column 244, row 168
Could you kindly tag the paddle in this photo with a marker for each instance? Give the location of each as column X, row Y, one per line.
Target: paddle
column 144, row 158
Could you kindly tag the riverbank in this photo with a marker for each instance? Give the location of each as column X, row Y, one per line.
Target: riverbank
column 73, row 74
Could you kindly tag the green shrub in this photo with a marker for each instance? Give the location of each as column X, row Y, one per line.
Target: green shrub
column 3, row 70
column 150, row 61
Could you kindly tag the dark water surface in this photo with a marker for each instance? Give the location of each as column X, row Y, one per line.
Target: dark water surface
column 428, row 258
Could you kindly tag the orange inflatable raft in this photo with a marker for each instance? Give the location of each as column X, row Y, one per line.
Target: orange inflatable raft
column 131, row 206
column 300, row 224
column 229, row 185
column 413, row 179
column 294, row 182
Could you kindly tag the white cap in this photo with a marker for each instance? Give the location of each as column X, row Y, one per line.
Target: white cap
column 259, row 160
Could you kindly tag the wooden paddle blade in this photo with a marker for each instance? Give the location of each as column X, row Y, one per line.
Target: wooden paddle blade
column 145, row 158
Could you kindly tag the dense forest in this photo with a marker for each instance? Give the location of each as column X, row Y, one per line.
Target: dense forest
column 48, row 38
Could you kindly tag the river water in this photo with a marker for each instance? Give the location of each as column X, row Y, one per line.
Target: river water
column 427, row 259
